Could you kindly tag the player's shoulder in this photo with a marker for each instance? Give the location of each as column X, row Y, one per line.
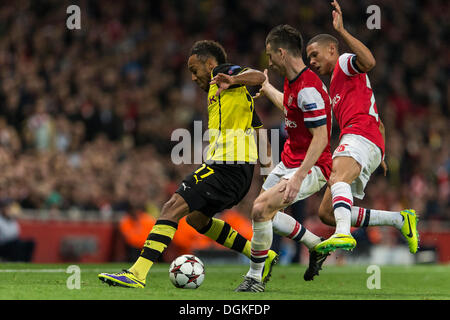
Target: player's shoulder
column 347, row 64
column 312, row 92
column 312, row 83
column 311, row 79
column 346, row 56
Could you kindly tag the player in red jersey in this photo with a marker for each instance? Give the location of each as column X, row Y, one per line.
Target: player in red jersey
column 306, row 158
column 361, row 147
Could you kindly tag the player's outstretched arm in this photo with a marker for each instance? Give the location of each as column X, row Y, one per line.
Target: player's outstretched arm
column 268, row 90
column 250, row 77
column 318, row 143
column 364, row 57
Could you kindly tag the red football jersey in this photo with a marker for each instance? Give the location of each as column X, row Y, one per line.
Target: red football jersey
column 354, row 102
column 306, row 105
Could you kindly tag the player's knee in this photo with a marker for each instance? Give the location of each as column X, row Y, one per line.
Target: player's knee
column 334, row 178
column 331, row 180
column 174, row 209
column 168, row 206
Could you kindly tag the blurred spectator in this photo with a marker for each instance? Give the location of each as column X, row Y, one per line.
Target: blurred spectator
column 87, row 115
column 135, row 226
column 12, row 247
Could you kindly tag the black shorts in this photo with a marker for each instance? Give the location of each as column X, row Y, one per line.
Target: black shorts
column 213, row 188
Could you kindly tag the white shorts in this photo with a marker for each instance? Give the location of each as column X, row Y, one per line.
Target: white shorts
column 313, row 182
column 366, row 153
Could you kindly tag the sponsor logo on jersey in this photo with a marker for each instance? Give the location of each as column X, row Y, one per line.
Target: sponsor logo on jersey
column 290, row 124
column 310, row 106
column 290, row 99
column 336, row 100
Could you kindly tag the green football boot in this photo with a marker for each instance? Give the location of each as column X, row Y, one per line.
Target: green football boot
column 336, row 241
column 409, row 229
column 271, row 260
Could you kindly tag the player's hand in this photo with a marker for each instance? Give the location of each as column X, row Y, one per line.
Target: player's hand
column 261, row 91
column 291, row 189
column 385, row 167
column 223, row 81
column 338, row 22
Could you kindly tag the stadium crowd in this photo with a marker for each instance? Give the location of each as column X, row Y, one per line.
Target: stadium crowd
column 86, row 115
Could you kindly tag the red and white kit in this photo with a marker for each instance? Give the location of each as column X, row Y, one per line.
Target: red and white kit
column 356, row 112
column 306, row 105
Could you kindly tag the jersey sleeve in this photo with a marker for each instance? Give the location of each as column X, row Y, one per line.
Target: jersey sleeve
column 310, row 101
column 256, row 121
column 347, row 63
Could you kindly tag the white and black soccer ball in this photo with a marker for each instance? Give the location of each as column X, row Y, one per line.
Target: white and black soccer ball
column 187, row 272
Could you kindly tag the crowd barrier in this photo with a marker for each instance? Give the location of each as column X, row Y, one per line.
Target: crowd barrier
column 99, row 241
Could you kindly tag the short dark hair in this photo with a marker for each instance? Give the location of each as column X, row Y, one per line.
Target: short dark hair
column 286, row 37
column 324, row 38
column 209, row 48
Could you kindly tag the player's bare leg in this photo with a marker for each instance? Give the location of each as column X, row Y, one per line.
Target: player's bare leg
column 326, row 214
column 224, row 234
column 362, row 217
column 286, row 226
column 345, row 170
column 159, row 238
column 265, row 207
column 197, row 220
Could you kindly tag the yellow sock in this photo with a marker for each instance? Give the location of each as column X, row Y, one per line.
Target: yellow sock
column 157, row 241
column 141, row 268
column 224, row 234
column 247, row 249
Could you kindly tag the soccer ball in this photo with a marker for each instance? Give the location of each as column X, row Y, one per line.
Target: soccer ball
column 187, row 272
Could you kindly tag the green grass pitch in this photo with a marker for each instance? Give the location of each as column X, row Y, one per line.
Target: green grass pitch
column 49, row 282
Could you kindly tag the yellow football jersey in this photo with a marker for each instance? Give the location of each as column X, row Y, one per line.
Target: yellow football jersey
column 231, row 122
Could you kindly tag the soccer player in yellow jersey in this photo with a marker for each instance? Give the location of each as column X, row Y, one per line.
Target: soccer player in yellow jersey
column 224, row 178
